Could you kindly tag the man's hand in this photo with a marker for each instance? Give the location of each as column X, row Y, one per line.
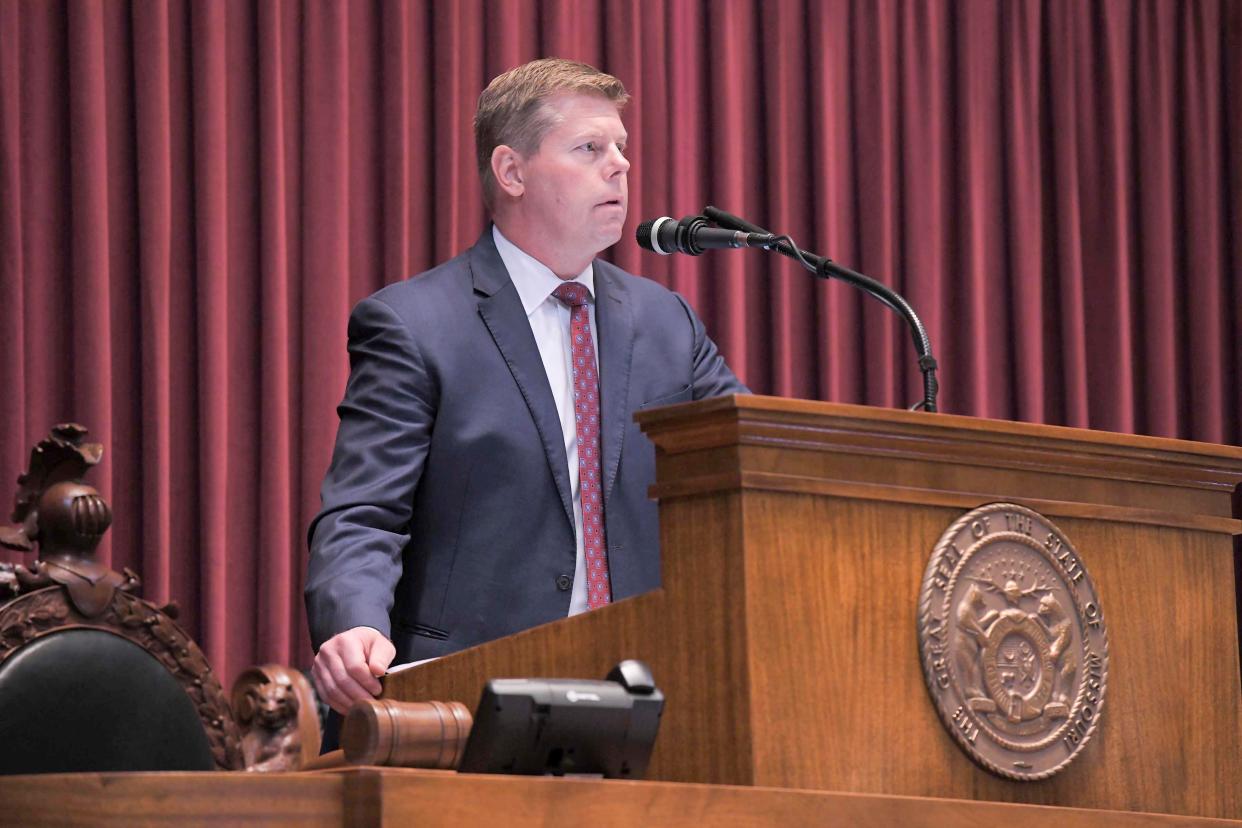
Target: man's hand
column 347, row 665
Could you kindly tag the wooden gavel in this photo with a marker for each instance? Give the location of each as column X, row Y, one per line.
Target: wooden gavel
column 406, row 734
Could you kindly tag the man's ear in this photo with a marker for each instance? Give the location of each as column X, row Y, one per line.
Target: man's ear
column 507, row 170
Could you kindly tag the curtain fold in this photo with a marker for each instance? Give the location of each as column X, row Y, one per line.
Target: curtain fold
column 193, row 195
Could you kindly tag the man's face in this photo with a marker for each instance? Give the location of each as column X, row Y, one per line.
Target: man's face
column 575, row 184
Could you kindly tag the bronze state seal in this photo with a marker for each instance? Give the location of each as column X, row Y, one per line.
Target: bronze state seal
column 1013, row 641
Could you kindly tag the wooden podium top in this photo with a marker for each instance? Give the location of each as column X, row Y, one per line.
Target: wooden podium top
column 387, row 796
column 945, row 459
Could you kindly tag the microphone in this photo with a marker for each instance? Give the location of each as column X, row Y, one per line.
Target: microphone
column 692, row 235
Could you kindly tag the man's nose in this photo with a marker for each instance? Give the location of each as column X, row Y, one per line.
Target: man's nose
column 617, row 162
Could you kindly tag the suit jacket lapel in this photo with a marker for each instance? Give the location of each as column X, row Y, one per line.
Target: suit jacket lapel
column 613, row 316
column 502, row 312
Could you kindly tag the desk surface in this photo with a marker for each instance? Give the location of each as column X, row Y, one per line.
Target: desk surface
column 390, row 796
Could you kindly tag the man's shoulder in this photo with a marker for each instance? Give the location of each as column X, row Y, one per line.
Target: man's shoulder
column 446, row 280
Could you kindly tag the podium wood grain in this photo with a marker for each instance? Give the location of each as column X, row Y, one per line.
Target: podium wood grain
column 795, row 535
column 373, row 797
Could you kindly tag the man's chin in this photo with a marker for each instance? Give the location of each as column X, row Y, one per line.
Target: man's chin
column 610, row 234
column 600, row 238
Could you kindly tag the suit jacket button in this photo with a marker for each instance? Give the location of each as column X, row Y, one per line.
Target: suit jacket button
column 564, row 582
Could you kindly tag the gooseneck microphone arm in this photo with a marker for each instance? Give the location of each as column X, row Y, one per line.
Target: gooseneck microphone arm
column 825, row 268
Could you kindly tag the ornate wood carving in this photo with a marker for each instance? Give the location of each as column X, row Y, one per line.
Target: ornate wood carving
column 66, row 519
column 67, row 588
column 61, row 458
column 275, row 710
column 50, row 610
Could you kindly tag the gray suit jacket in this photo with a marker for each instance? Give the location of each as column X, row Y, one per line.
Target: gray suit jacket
column 447, row 518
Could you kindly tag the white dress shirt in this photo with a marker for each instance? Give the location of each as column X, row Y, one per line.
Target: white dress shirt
column 549, row 322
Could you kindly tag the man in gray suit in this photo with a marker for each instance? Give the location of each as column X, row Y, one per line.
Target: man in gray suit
column 488, row 476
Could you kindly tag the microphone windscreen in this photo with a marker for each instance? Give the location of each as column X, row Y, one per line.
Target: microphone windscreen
column 644, row 234
column 649, row 235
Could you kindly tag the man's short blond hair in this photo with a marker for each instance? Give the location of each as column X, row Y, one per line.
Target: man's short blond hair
column 512, row 108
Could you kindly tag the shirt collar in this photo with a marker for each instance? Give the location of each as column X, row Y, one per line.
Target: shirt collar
column 534, row 280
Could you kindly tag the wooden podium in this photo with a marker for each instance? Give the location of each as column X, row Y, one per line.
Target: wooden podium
column 795, row 537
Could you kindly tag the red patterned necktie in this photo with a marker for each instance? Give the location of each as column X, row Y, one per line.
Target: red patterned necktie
column 586, row 420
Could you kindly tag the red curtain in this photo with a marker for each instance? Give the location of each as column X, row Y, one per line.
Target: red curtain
column 193, row 194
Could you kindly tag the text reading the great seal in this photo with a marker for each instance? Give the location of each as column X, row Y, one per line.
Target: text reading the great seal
column 1013, row 641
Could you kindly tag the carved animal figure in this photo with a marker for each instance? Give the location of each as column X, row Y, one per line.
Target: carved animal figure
column 268, row 717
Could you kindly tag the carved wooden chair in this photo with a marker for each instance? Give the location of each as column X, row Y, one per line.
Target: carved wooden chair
column 93, row 677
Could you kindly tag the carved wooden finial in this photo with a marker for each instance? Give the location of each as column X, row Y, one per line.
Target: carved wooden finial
column 53, row 507
column 66, row 518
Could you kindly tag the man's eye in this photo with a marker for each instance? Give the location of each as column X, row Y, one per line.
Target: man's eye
column 590, row 146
